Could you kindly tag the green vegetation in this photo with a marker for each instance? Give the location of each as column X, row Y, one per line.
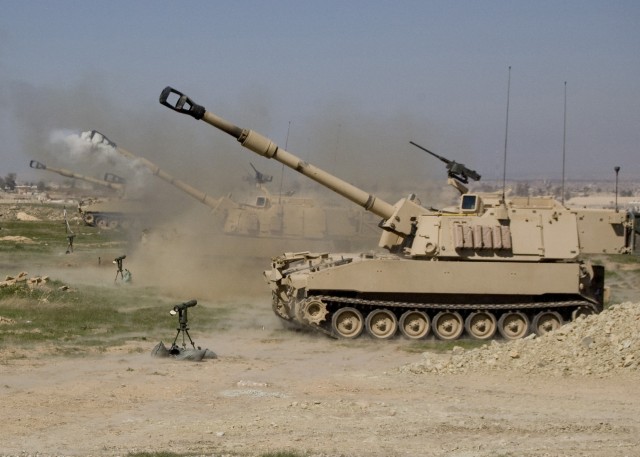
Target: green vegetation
column 73, row 319
column 615, row 259
column 94, row 317
column 48, row 237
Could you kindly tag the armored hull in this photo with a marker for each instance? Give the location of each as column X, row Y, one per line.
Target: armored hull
column 345, row 295
column 112, row 214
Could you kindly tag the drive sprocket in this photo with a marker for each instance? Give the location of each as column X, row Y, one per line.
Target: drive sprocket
column 315, row 311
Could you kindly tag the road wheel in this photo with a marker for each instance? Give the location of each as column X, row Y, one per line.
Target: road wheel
column 448, row 325
column 546, row 321
column 102, row 223
column 513, row 325
column 414, row 324
column 381, row 324
column 347, row 323
column 481, row 325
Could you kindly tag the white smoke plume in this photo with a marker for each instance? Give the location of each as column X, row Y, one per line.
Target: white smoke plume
column 92, row 149
column 75, row 147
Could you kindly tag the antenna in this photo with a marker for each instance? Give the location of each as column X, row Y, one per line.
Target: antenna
column 506, row 135
column 286, row 147
column 617, row 170
column 564, row 139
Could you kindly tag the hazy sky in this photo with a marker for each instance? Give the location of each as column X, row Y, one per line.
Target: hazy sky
column 351, row 81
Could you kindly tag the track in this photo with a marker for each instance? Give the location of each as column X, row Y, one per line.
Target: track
column 329, row 305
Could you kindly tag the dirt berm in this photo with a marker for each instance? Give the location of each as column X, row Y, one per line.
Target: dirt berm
column 603, row 345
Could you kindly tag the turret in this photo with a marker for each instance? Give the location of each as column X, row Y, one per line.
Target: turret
column 397, row 219
column 110, row 180
column 477, row 230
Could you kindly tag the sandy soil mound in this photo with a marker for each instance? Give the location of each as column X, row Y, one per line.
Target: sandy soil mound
column 17, row 239
column 22, row 216
column 34, row 212
column 602, row 345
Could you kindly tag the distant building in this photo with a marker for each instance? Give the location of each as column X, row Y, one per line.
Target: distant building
column 25, row 189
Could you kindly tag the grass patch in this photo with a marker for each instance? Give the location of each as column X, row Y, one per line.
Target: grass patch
column 610, row 275
column 50, row 237
column 45, row 236
column 96, row 317
column 613, row 259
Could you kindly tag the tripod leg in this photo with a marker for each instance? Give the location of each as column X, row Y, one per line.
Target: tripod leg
column 175, row 339
column 192, row 343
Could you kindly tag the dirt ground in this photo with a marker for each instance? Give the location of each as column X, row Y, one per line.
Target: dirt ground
column 275, row 389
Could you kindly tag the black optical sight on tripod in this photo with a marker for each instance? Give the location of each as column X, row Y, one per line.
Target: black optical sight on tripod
column 183, row 353
column 181, row 311
column 118, row 262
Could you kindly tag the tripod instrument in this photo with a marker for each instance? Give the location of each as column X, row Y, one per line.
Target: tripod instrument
column 181, row 311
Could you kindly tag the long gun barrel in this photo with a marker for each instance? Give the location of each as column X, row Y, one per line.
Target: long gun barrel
column 116, row 184
column 456, row 170
column 265, row 147
column 98, row 138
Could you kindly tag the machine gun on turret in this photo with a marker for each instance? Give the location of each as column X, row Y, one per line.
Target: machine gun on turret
column 456, row 170
column 258, row 177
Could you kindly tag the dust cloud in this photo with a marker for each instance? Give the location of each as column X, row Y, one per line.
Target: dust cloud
column 194, row 258
column 185, row 248
column 370, row 150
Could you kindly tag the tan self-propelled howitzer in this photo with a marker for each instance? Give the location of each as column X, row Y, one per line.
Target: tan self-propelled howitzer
column 98, row 138
column 275, row 218
column 109, row 214
column 491, row 265
column 110, row 180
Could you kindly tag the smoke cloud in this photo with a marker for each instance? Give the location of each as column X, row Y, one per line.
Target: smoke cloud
column 183, row 247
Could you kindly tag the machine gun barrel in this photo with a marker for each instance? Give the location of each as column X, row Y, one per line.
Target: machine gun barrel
column 447, row 161
column 456, row 170
column 263, row 146
column 70, row 174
